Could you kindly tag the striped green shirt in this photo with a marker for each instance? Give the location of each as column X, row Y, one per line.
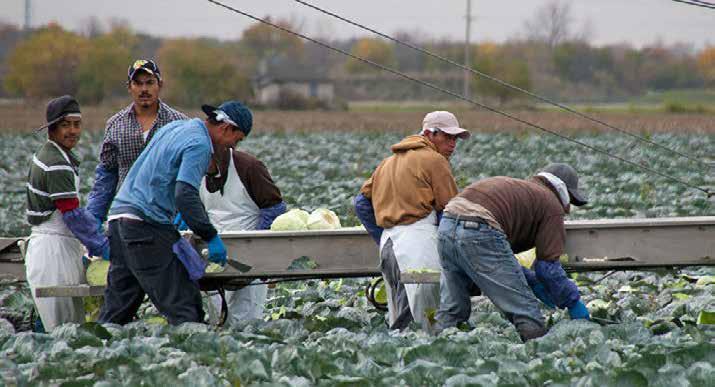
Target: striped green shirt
column 52, row 176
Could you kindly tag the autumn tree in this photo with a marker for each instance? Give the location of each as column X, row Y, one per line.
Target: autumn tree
column 103, row 73
column 504, row 65
column 375, row 50
column 201, row 71
column 45, row 64
column 706, row 64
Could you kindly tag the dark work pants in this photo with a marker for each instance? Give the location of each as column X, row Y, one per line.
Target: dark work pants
column 142, row 262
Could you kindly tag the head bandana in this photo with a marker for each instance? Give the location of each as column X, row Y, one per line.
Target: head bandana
column 559, row 186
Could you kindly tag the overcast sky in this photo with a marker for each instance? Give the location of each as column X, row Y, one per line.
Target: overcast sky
column 611, row 21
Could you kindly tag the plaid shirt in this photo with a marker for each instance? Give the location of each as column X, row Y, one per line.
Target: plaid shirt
column 124, row 140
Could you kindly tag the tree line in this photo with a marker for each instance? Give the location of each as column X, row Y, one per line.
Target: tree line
column 51, row 61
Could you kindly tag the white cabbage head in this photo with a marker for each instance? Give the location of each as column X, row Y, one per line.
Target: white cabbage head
column 323, row 219
column 293, row 220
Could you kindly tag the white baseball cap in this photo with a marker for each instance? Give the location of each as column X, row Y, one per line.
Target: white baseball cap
column 446, row 122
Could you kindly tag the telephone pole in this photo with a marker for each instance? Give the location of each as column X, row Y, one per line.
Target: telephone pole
column 467, row 50
column 28, row 11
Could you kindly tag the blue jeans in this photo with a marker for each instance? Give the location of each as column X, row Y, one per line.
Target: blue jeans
column 476, row 253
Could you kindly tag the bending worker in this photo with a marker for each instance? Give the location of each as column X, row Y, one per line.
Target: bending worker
column 145, row 245
column 408, row 191
column 239, row 194
column 482, row 228
column 59, row 225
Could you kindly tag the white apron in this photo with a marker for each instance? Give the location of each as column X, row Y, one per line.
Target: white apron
column 234, row 211
column 53, row 258
column 415, row 248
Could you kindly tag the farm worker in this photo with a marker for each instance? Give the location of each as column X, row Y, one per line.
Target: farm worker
column 408, row 192
column 239, row 194
column 148, row 256
column 59, row 225
column 127, row 133
column 486, row 224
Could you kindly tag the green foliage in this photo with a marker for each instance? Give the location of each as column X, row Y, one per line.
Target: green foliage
column 46, row 64
column 201, row 71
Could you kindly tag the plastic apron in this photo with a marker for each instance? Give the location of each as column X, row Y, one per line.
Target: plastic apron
column 234, row 211
column 53, row 258
column 415, row 248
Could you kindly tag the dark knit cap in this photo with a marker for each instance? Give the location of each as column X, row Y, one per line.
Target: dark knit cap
column 59, row 108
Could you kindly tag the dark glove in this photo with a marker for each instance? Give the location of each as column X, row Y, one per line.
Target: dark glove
column 179, row 223
column 579, row 311
column 217, row 251
column 543, row 296
column 269, row 214
column 105, row 253
column 564, row 292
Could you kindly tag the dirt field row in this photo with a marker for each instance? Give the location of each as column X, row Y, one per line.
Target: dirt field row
column 25, row 117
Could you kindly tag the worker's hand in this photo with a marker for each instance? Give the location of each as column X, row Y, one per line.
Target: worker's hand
column 540, row 293
column 105, row 252
column 179, row 223
column 579, row 311
column 217, row 251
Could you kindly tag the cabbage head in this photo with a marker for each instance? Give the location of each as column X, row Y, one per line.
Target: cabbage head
column 323, row 219
column 293, row 220
column 97, row 272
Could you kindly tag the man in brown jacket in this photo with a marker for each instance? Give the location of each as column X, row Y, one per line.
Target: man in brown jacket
column 486, row 224
column 400, row 206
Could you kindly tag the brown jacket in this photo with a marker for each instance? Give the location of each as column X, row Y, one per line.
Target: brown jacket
column 253, row 174
column 529, row 212
column 408, row 185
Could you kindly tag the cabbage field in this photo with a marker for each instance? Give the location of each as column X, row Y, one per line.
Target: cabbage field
column 654, row 328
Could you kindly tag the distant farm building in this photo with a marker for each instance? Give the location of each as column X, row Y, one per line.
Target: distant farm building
column 282, row 82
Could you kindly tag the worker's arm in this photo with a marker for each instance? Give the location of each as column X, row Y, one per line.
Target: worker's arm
column 444, row 188
column 550, row 241
column 261, row 188
column 366, row 214
column 269, row 214
column 84, row 226
column 106, row 178
column 188, row 203
column 102, row 193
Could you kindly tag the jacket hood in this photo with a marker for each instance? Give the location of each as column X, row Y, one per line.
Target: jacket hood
column 412, row 142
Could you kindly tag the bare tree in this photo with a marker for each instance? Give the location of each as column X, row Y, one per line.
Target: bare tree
column 552, row 23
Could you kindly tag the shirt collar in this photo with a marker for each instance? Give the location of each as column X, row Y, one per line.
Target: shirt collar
column 68, row 155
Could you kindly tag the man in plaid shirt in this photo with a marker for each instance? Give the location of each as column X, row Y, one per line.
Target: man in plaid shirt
column 127, row 133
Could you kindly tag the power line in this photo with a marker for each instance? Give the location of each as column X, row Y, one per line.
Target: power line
column 461, row 97
column 696, row 3
column 504, row 83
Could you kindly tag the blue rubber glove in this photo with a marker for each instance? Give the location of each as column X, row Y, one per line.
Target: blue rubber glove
column 217, row 251
column 105, row 253
column 540, row 293
column 179, row 223
column 579, row 311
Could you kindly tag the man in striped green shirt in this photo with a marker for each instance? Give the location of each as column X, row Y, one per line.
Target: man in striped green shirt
column 59, row 225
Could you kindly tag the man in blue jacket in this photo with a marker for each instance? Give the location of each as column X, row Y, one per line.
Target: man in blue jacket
column 164, row 180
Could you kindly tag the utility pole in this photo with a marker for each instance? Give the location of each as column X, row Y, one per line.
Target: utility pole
column 28, row 10
column 467, row 50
